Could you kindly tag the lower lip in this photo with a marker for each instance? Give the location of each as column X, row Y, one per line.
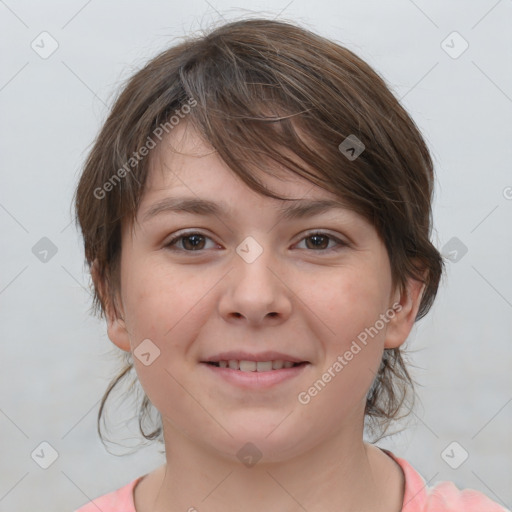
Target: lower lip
column 257, row 380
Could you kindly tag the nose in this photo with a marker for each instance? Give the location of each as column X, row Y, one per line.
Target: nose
column 257, row 292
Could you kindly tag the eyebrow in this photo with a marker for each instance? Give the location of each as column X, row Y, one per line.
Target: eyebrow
column 298, row 210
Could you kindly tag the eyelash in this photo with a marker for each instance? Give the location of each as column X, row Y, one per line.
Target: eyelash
column 341, row 244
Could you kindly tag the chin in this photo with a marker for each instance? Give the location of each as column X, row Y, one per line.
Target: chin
column 265, row 442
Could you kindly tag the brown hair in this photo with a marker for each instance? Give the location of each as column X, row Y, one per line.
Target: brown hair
column 258, row 90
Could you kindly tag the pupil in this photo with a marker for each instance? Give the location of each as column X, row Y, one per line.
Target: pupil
column 196, row 241
column 317, row 238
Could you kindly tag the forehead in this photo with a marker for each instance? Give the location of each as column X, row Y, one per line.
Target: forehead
column 185, row 164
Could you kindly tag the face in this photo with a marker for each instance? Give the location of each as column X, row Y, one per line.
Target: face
column 248, row 280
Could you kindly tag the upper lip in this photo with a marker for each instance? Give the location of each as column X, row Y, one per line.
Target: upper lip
column 246, row 356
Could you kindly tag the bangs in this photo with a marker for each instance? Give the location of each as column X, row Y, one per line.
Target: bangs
column 261, row 116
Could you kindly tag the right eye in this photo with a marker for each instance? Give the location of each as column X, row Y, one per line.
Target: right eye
column 189, row 242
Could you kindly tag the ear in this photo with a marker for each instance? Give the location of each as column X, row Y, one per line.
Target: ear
column 406, row 306
column 116, row 327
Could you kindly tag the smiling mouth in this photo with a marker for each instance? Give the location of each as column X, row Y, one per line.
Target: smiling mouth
column 255, row 366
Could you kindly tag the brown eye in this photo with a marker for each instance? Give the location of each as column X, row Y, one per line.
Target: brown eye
column 193, row 242
column 188, row 242
column 320, row 242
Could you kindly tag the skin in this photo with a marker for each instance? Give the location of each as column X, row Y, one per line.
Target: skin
column 194, row 304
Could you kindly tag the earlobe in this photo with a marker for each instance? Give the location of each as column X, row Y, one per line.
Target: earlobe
column 406, row 310
column 118, row 334
column 116, row 326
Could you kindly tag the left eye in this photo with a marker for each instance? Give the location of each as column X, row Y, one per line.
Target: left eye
column 190, row 242
column 321, row 241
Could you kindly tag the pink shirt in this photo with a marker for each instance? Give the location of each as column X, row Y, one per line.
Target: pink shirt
column 442, row 497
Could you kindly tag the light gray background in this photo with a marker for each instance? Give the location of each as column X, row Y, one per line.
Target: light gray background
column 56, row 360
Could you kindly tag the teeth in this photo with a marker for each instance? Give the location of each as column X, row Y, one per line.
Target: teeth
column 263, row 366
column 248, row 366
column 255, row 366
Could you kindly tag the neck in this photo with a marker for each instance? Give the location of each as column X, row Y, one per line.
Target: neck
column 342, row 474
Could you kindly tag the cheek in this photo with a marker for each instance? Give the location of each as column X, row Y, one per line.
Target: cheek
column 353, row 299
column 169, row 310
column 351, row 306
column 159, row 301
column 163, row 308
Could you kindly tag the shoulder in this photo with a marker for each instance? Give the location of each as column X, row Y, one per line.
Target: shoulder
column 441, row 497
column 120, row 500
column 446, row 496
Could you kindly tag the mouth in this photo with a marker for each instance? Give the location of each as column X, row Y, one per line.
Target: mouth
column 255, row 366
column 255, row 371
